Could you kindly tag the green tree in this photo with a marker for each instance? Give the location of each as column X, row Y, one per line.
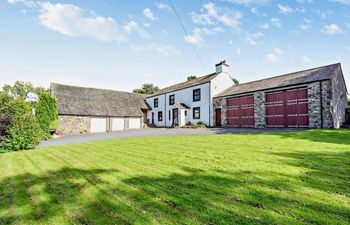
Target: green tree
column 235, row 81
column 46, row 112
column 189, row 78
column 22, row 90
column 147, row 89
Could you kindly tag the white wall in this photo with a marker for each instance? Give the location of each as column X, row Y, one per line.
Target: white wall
column 181, row 96
column 220, row 83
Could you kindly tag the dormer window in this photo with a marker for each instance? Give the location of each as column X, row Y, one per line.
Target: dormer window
column 172, row 100
column 197, row 95
column 155, row 103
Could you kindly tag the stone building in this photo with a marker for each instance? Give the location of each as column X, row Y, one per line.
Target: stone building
column 314, row 98
column 89, row 110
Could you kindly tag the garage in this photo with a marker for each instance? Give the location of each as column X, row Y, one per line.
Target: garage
column 98, row 125
column 134, row 123
column 287, row 109
column 240, row 112
column 117, row 124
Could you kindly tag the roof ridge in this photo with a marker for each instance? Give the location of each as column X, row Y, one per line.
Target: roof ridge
column 100, row 89
column 287, row 74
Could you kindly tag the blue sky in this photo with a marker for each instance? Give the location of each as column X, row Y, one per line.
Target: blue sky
column 123, row 44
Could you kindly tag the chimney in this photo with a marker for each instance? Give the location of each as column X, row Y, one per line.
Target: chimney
column 222, row 67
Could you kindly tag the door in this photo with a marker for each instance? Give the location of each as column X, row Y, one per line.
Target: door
column 117, row 124
column 98, row 125
column 218, row 117
column 134, row 123
column 175, row 117
column 153, row 118
column 287, row 109
column 240, row 111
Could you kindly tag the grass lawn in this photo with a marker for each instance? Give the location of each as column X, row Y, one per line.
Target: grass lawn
column 289, row 178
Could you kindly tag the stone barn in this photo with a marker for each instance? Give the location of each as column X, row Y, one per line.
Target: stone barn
column 313, row 98
column 89, row 110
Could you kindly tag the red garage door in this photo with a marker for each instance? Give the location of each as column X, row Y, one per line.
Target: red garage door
column 287, row 108
column 240, row 111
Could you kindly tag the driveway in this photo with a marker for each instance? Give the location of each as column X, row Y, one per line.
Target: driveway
column 148, row 132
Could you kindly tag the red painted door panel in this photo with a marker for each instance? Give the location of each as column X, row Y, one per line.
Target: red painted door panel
column 287, row 108
column 240, row 111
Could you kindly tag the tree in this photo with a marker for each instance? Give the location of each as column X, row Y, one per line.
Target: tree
column 147, row 89
column 235, row 81
column 189, row 78
column 22, row 90
column 46, row 112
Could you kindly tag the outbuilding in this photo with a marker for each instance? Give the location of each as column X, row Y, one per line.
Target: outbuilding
column 313, row 98
column 84, row 110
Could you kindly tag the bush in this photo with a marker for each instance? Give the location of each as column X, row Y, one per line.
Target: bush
column 188, row 123
column 23, row 133
column 201, row 124
column 5, row 122
column 46, row 113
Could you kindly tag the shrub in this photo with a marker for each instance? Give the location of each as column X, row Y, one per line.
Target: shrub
column 201, row 124
column 189, row 123
column 46, row 113
column 5, row 122
column 23, row 133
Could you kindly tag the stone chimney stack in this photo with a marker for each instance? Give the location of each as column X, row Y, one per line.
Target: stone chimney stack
column 222, row 67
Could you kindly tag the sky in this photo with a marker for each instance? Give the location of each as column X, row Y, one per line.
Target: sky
column 123, row 44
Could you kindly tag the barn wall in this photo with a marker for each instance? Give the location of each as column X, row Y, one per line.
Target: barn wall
column 73, row 125
column 259, row 109
column 339, row 99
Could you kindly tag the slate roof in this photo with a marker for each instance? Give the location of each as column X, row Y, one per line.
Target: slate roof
column 296, row 78
column 82, row 101
column 186, row 84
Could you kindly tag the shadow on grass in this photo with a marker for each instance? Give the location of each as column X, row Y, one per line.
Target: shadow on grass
column 190, row 196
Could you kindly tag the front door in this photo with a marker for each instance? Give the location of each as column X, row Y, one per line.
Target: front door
column 175, row 117
column 153, row 118
column 218, row 117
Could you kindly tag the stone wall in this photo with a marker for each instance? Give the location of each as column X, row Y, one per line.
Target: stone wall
column 339, row 99
column 220, row 103
column 259, row 109
column 73, row 125
column 315, row 96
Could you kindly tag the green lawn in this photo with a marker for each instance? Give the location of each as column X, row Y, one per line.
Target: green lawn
column 289, row 178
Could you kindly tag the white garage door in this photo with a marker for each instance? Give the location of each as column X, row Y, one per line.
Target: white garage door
column 117, row 124
column 134, row 123
column 98, row 125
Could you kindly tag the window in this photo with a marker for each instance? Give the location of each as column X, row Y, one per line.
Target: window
column 160, row 116
column 196, row 113
column 155, row 103
column 171, row 99
column 196, row 95
column 186, row 113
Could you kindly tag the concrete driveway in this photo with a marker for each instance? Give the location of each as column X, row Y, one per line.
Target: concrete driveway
column 148, row 132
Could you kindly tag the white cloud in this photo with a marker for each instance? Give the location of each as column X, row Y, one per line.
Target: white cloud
column 306, row 59
column 306, row 24
column 27, row 3
column 265, row 26
column 163, row 6
column 71, row 20
column 249, row 2
column 133, row 27
column 212, row 14
column 238, row 51
column 332, row 29
column 285, row 9
column 254, row 10
column 252, row 38
column 196, row 38
column 230, row 42
column 276, row 22
column 305, row 1
column 161, row 49
column 149, row 14
column 346, row 2
column 271, row 58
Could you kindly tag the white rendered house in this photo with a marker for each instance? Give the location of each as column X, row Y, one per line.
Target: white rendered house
column 190, row 101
